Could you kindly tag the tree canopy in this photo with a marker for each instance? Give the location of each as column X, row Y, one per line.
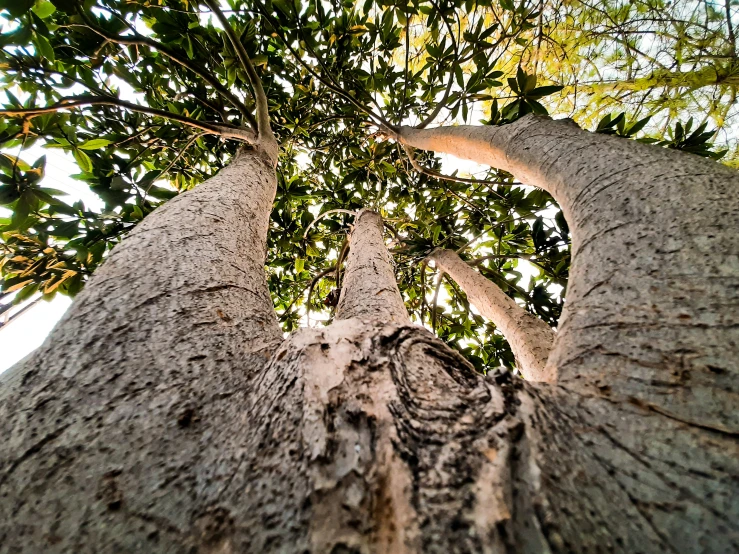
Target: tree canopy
column 151, row 98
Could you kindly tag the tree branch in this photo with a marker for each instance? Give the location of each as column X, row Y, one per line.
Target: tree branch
column 260, row 98
column 159, row 47
column 324, row 214
column 226, row 131
column 313, row 282
column 433, row 115
column 386, row 126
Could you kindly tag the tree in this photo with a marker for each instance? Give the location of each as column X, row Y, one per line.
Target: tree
column 166, row 412
column 665, row 59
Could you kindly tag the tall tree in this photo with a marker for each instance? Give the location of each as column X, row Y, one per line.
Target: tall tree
column 167, row 413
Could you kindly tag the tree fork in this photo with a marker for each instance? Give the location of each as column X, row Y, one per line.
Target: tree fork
column 654, row 285
column 530, row 338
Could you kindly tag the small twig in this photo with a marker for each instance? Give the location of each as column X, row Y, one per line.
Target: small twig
column 444, row 99
column 478, row 261
column 310, row 291
column 8, row 319
column 177, row 157
column 138, row 40
column 324, row 214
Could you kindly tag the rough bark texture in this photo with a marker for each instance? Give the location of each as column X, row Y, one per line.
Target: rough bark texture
column 369, row 288
column 149, row 421
column 652, row 310
column 638, row 443
column 530, row 338
column 122, row 431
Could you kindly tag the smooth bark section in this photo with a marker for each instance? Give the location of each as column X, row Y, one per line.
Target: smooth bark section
column 530, row 338
column 122, row 430
column 370, row 290
column 652, row 311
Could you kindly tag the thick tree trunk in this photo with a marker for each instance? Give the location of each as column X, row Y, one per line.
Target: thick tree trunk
column 122, row 431
column 530, row 338
column 638, row 443
column 146, row 425
column 652, row 310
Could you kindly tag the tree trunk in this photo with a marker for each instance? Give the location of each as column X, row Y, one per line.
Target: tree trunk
column 369, row 288
column 652, row 303
column 530, row 338
column 146, row 425
column 121, row 432
column 638, row 443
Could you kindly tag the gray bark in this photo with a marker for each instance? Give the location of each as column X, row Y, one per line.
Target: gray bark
column 652, row 308
column 529, row 337
column 152, row 421
column 645, row 415
column 369, row 288
column 121, row 431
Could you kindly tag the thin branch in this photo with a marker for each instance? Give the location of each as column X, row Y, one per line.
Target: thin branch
column 176, row 159
column 478, row 261
column 732, row 37
column 226, row 131
column 260, row 98
column 159, row 47
column 379, row 120
column 433, row 115
column 310, row 292
column 431, row 173
column 8, row 319
column 324, row 214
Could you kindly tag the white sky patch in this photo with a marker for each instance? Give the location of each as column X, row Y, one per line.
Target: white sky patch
column 29, row 330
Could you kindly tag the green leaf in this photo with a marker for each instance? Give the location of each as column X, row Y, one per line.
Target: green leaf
column 189, row 48
column 44, row 47
column 539, row 92
column 43, row 9
column 94, row 144
column 83, row 160
column 9, row 194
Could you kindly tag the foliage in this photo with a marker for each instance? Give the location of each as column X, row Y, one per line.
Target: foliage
column 146, row 93
column 671, row 59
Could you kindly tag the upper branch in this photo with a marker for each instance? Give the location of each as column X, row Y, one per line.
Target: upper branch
column 433, row 115
column 529, row 337
column 159, row 47
column 378, row 119
column 226, row 131
column 260, row 98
